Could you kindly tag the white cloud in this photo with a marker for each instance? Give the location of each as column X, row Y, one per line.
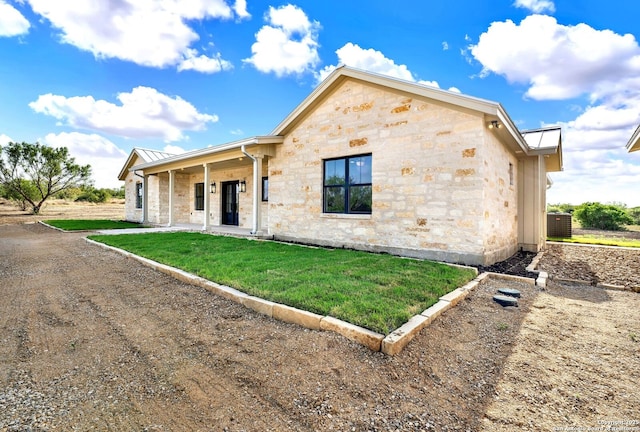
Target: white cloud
column 445, row 46
column 143, row 113
column 288, row 44
column 148, row 33
column 105, row 158
column 240, row 8
column 557, row 61
column 597, row 166
column 236, row 132
column 373, row 61
column 367, row 59
column 564, row 62
column 202, row 63
column 536, row 6
column 12, row 22
column 597, row 175
column 173, row 149
column 5, row 139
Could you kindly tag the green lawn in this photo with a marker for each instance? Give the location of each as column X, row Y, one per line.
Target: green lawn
column 376, row 291
column 90, row 224
column 598, row 240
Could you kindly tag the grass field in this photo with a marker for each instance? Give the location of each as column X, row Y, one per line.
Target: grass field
column 378, row 292
column 90, row 224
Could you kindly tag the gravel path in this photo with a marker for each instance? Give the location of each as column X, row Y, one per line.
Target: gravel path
column 593, row 264
column 90, row 340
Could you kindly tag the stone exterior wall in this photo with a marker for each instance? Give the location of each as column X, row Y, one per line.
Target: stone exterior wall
column 186, row 188
column 500, row 198
column 440, row 182
column 131, row 213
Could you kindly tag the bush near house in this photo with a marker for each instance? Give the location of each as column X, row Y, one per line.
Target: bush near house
column 602, row 216
column 561, row 208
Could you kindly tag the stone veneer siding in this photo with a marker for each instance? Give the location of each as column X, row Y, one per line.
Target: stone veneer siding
column 440, row 181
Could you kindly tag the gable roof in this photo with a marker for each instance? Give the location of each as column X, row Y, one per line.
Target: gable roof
column 634, row 142
column 146, row 155
column 493, row 110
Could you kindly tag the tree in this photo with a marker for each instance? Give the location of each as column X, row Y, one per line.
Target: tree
column 34, row 172
column 602, row 216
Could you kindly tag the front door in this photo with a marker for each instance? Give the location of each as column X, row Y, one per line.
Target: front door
column 230, row 203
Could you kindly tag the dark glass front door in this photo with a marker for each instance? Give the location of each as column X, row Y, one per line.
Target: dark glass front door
column 230, row 203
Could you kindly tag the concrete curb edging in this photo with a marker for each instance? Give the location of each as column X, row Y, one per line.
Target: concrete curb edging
column 541, row 280
column 399, row 338
column 55, row 228
column 368, row 338
column 391, row 344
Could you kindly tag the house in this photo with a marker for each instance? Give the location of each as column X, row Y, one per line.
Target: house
column 367, row 162
column 634, row 142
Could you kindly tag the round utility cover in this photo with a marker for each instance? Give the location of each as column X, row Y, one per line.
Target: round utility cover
column 509, row 292
column 505, row 300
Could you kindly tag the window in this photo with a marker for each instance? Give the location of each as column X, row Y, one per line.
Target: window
column 265, row 188
column 199, row 196
column 347, row 185
column 139, row 195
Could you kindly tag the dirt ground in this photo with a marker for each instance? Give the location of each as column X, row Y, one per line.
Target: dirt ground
column 62, row 209
column 90, row 340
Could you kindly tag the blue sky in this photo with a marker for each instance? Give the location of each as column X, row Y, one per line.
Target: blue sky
column 103, row 76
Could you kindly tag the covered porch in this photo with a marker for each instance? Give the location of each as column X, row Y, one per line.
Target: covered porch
column 220, row 189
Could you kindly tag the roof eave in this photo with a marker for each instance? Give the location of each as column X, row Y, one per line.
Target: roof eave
column 634, row 142
column 125, row 168
column 344, row 72
column 268, row 139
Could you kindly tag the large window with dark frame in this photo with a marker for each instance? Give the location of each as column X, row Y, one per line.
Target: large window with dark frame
column 347, row 185
column 199, row 193
column 138, row 195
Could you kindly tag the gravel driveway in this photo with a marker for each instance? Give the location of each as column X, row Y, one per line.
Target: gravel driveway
column 91, row 340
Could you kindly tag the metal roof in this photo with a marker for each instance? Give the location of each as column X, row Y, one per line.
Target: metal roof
column 546, row 138
column 152, row 155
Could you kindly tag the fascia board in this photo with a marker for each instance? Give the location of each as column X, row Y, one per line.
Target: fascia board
column 634, row 142
column 210, row 151
column 343, row 72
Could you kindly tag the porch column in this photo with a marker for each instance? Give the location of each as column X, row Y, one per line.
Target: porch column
column 207, row 198
column 257, row 195
column 145, row 199
column 172, row 182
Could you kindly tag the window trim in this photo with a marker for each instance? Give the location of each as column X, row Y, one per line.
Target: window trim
column 265, row 190
column 139, row 191
column 345, row 186
column 197, row 198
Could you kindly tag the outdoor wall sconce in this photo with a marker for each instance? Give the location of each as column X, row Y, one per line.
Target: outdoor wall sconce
column 495, row 124
column 212, row 187
column 243, row 186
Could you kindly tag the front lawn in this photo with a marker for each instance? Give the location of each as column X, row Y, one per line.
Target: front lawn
column 90, row 224
column 378, row 292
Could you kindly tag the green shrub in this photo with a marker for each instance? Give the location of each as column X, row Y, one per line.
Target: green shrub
column 634, row 214
column 560, row 208
column 94, row 195
column 602, row 216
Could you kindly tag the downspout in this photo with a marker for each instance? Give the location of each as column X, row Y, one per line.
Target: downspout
column 254, row 229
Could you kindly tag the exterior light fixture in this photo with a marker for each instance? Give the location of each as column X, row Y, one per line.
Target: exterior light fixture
column 243, row 186
column 212, row 187
column 495, row 124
